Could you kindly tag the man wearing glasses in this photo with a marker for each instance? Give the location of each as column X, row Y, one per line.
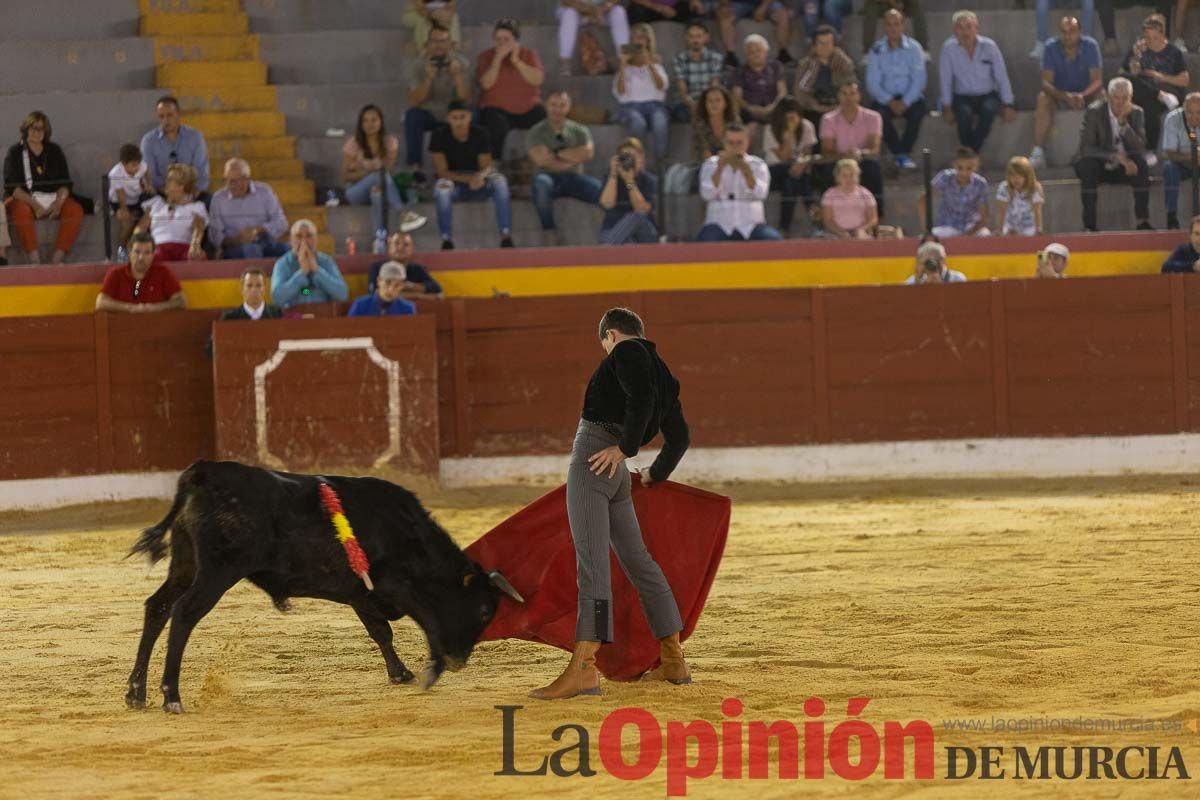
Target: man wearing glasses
column 172, row 142
column 142, row 286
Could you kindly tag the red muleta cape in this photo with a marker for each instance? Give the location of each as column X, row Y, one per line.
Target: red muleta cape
column 684, row 529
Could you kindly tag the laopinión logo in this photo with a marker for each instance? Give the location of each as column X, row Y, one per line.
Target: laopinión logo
column 740, row 748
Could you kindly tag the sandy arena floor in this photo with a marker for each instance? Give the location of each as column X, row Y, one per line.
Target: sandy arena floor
column 940, row 602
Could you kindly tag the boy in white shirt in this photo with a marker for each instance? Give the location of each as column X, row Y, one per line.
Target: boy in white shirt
column 128, row 186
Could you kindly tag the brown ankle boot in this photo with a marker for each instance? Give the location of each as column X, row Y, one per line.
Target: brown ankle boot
column 673, row 667
column 580, row 676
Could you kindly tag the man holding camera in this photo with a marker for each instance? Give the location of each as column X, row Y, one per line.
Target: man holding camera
column 931, row 266
column 628, row 198
column 735, row 184
column 433, row 81
column 559, row 147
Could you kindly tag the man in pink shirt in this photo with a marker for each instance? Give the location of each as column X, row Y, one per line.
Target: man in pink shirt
column 510, row 81
column 851, row 131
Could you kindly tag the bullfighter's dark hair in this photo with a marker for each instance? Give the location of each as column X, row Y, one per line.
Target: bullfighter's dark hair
column 623, row 321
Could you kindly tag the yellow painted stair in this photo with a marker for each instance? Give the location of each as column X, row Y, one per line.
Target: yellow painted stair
column 206, row 56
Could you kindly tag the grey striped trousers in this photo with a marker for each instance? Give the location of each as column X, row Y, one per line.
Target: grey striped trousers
column 600, row 510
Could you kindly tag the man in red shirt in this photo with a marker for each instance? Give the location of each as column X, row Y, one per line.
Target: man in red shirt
column 141, row 286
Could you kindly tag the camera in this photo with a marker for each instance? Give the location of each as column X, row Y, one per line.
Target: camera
column 932, row 265
column 440, row 61
column 631, row 49
column 626, row 161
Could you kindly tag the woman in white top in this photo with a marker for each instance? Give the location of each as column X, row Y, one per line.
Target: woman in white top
column 641, row 88
column 177, row 223
column 788, row 143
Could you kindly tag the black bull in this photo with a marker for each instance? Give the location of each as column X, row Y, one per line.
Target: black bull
column 230, row 521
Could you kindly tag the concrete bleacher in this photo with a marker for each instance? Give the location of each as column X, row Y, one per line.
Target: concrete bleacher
column 96, row 79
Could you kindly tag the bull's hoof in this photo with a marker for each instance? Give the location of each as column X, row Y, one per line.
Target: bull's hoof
column 175, row 707
column 133, row 701
column 430, row 674
column 403, row 676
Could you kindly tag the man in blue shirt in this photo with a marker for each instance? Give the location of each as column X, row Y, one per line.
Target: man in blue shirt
column 304, row 275
column 385, row 301
column 175, row 143
column 974, row 82
column 1179, row 127
column 896, row 83
column 1071, row 78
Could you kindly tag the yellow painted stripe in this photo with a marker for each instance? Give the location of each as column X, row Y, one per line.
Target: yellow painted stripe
column 20, row 301
column 342, row 527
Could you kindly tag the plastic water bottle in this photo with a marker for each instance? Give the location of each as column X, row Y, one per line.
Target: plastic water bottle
column 331, row 199
column 380, row 245
column 351, row 246
column 122, row 256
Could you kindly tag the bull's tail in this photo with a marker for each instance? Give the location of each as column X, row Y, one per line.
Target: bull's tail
column 151, row 542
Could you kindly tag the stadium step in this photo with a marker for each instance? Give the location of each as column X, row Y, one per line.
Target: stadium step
column 230, row 98
column 205, row 48
column 159, row 23
column 262, row 169
column 293, row 191
column 248, row 124
column 210, row 74
column 252, row 150
column 190, row 6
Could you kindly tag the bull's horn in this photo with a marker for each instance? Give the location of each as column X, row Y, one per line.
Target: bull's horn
column 501, row 583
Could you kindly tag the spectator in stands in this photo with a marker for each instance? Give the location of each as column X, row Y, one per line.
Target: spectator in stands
column 735, row 184
column 433, row 81
column 974, row 82
column 37, row 185
column 386, row 300
column 423, row 15
column 304, row 275
column 367, row 160
column 851, row 131
column 5, row 241
column 594, row 12
column 1112, row 147
column 245, row 219
column 830, row 12
column 143, row 285
column 788, row 144
column 1019, row 199
column 697, row 67
column 716, row 110
column 417, row 280
column 128, row 187
column 730, row 11
column 628, row 198
column 1043, row 26
column 896, row 82
column 964, row 192
column 510, row 78
column 254, row 303
column 1052, row 262
column 930, row 266
column 848, row 210
column 1071, row 78
column 873, row 9
column 172, row 142
column 682, row 11
column 1186, row 257
column 1180, row 127
column 758, row 85
column 640, row 86
column 559, row 147
column 176, row 222
column 463, row 158
column 1159, row 76
column 1108, row 21
column 820, row 73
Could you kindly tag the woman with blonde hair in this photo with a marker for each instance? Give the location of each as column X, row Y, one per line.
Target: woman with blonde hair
column 176, row 222
column 641, row 89
column 1019, row 199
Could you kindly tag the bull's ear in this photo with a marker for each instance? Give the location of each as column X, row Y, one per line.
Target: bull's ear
column 501, row 583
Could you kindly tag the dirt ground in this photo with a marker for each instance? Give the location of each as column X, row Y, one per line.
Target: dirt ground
column 1070, row 600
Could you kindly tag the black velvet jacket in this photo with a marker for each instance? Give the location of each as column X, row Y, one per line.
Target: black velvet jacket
column 633, row 388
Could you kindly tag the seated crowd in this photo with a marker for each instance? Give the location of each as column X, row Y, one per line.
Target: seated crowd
column 759, row 121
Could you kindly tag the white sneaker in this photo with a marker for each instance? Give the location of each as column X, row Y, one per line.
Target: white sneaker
column 1169, row 100
column 1180, row 44
column 410, row 221
column 1151, row 160
column 1038, row 50
column 1038, row 158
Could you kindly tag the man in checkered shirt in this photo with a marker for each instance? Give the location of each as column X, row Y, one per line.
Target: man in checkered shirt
column 696, row 68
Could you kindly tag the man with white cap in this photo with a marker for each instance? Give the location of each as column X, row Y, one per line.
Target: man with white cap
column 385, row 301
column 931, row 266
column 1052, row 262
